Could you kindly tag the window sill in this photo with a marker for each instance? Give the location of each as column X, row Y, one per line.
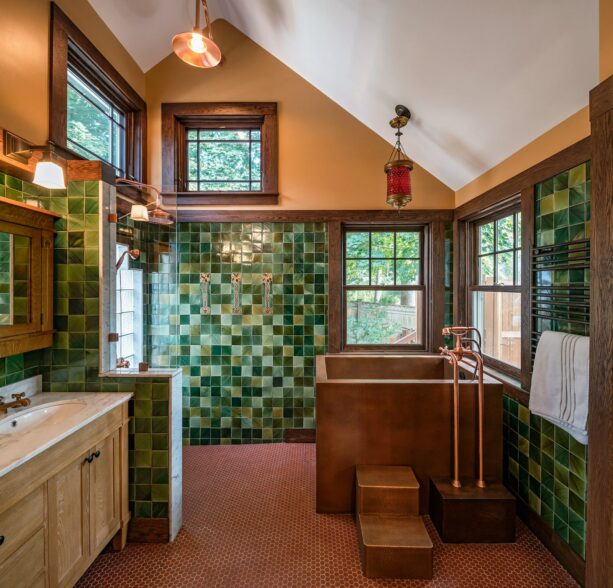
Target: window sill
column 231, row 198
column 511, row 386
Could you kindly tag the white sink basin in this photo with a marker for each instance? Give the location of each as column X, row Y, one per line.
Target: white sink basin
column 37, row 416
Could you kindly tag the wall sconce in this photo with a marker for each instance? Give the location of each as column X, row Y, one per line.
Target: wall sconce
column 398, row 167
column 140, row 212
column 47, row 172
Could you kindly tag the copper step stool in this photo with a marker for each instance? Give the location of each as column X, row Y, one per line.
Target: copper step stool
column 393, row 539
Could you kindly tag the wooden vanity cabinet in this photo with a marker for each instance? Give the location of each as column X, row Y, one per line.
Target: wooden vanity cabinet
column 26, row 280
column 72, row 503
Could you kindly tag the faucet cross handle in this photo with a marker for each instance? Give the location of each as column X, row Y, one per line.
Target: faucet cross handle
column 18, row 396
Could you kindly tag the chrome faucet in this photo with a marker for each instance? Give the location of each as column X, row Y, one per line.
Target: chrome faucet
column 19, row 400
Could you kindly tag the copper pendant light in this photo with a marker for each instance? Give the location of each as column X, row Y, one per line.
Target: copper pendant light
column 195, row 47
column 398, row 167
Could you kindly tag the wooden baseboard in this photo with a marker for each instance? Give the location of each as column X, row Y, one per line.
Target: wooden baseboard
column 552, row 541
column 299, row 436
column 149, row 531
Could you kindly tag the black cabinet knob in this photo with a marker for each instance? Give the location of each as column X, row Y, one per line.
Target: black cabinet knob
column 97, row 454
column 1, row 539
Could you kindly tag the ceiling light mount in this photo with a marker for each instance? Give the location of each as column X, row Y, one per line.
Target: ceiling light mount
column 196, row 47
column 399, row 166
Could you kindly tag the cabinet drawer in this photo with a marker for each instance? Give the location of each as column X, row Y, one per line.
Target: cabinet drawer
column 20, row 521
column 25, row 567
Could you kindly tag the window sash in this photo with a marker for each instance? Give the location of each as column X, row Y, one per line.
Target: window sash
column 370, row 287
column 474, row 286
column 199, row 183
column 115, row 117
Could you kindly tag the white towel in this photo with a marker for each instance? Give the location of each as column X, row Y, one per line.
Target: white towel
column 560, row 382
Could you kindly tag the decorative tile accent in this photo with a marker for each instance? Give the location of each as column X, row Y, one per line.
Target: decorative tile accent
column 249, row 376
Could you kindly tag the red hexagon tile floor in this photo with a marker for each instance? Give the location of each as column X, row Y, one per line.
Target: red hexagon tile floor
column 250, row 522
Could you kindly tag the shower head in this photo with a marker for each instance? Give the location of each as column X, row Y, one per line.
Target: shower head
column 132, row 253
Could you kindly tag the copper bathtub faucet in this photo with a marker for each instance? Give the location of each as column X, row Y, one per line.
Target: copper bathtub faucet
column 463, row 342
column 19, row 400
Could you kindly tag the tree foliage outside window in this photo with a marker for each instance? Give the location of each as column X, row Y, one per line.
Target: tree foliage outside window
column 383, row 287
column 224, row 160
column 95, row 127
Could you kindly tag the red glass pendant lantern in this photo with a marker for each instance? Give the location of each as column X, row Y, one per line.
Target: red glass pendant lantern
column 398, row 167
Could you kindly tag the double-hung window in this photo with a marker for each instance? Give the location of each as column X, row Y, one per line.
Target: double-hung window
column 495, row 287
column 383, row 288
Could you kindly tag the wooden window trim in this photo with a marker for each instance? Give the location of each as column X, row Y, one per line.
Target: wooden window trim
column 490, row 202
column 422, row 287
column 70, row 46
column 176, row 117
column 509, row 206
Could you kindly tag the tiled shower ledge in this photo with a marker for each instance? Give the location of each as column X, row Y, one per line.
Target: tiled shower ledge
column 134, row 373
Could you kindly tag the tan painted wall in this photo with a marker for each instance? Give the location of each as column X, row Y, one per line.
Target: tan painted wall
column 327, row 158
column 605, row 23
column 24, row 61
column 569, row 131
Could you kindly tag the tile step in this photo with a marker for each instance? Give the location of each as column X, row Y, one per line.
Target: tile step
column 390, row 490
column 394, row 546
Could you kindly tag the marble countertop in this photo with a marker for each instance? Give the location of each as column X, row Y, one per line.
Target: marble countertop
column 78, row 410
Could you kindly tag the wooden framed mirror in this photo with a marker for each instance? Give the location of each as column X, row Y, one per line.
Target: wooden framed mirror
column 26, row 277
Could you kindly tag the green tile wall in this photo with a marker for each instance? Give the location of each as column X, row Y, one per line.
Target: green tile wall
column 547, row 470
column 544, row 466
column 72, row 363
column 249, row 376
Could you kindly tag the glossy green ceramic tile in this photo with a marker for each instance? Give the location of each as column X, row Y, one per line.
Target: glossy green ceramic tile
column 72, row 363
column 250, row 375
column 549, row 477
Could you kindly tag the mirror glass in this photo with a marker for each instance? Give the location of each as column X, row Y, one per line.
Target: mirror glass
column 15, row 267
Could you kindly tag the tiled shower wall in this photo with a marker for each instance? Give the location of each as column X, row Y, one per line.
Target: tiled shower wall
column 72, row 363
column 544, row 466
column 247, row 376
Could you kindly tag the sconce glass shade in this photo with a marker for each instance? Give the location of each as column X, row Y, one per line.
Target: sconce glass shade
column 138, row 212
column 196, row 49
column 399, row 182
column 49, row 175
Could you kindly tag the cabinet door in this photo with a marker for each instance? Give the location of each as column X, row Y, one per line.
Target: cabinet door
column 68, row 497
column 104, row 484
column 26, row 567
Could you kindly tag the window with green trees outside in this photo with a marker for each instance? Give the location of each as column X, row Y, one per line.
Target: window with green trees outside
column 384, row 292
column 96, row 128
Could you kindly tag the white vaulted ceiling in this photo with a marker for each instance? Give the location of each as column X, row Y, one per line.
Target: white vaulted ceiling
column 482, row 77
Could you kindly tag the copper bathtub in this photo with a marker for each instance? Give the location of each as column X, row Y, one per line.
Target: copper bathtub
column 397, row 410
